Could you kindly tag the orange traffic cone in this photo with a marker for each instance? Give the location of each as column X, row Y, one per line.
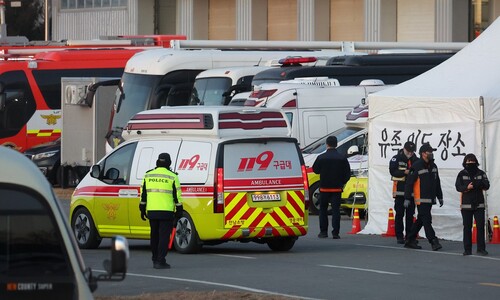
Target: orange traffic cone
column 391, row 229
column 474, row 233
column 496, row 232
column 356, row 224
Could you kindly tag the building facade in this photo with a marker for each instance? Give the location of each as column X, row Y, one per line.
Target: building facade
column 301, row 20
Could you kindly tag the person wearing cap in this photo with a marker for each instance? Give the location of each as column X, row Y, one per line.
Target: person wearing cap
column 334, row 172
column 424, row 185
column 161, row 203
column 399, row 167
column 471, row 183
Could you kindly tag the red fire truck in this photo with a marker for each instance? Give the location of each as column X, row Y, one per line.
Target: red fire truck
column 30, row 81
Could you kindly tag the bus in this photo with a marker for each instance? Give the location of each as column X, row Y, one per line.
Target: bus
column 353, row 69
column 30, row 82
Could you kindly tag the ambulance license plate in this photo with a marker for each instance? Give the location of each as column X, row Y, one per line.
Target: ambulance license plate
column 265, row 197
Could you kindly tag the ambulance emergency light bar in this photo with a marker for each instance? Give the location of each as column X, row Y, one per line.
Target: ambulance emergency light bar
column 208, row 121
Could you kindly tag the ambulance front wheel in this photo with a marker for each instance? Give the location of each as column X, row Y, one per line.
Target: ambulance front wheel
column 281, row 244
column 84, row 229
column 186, row 238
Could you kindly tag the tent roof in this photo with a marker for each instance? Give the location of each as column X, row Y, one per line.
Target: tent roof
column 474, row 71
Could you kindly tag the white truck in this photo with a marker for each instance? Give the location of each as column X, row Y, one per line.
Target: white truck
column 313, row 107
column 86, row 111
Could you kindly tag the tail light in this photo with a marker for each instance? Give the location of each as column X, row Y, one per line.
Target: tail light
column 262, row 93
column 219, row 192
column 306, row 187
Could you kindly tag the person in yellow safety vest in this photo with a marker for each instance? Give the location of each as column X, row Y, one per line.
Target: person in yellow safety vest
column 161, row 203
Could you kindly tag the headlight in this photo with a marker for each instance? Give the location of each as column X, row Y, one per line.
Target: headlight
column 44, row 155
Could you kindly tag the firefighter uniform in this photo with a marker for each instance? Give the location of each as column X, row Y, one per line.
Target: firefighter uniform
column 160, row 198
column 472, row 204
column 397, row 167
column 424, row 184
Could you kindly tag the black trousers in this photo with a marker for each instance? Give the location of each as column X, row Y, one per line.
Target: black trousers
column 424, row 219
column 402, row 212
column 160, row 238
column 467, row 216
column 332, row 198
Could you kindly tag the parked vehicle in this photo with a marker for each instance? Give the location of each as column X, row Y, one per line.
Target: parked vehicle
column 218, row 86
column 165, row 77
column 39, row 258
column 314, row 106
column 30, row 81
column 242, row 178
column 353, row 69
column 353, row 143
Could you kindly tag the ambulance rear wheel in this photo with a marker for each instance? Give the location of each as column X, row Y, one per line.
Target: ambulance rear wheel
column 186, row 238
column 281, row 244
column 84, row 229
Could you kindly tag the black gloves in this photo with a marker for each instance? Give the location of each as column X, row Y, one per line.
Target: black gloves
column 178, row 211
column 440, row 202
column 144, row 216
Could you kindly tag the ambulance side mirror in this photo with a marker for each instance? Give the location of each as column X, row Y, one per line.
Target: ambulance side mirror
column 95, row 171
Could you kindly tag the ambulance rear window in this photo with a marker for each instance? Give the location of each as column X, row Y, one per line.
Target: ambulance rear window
column 258, row 159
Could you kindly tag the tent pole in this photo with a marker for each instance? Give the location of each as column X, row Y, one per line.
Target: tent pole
column 483, row 154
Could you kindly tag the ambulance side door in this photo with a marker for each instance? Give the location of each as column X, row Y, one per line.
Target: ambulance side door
column 145, row 158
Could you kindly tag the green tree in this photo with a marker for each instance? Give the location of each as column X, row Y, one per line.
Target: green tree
column 27, row 20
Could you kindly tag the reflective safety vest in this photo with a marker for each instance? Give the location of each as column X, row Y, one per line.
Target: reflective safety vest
column 159, row 185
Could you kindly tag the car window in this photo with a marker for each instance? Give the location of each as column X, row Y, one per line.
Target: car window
column 121, row 159
column 359, row 141
column 31, row 247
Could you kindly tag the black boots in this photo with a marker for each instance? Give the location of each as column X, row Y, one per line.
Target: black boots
column 412, row 244
column 436, row 245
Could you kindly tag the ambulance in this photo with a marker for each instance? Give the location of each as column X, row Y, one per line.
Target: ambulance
column 242, row 177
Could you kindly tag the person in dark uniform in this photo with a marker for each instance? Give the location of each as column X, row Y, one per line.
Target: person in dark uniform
column 161, row 203
column 471, row 182
column 424, row 184
column 334, row 172
column 399, row 167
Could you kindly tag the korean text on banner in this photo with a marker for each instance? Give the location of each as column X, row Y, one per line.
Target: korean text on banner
column 452, row 140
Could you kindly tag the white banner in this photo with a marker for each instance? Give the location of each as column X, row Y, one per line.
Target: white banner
column 452, row 141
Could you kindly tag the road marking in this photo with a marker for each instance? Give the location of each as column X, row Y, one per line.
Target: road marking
column 490, row 284
column 234, row 256
column 428, row 251
column 238, row 287
column 360, row 269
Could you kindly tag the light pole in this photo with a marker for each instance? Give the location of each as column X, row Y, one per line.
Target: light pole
column 46, row 21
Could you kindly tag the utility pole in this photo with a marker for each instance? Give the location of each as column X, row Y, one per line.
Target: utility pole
column 46, row 21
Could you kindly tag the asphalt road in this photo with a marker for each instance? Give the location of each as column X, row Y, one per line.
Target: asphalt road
column 354, row 267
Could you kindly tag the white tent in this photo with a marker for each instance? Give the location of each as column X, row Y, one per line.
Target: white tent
column 456, row 107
